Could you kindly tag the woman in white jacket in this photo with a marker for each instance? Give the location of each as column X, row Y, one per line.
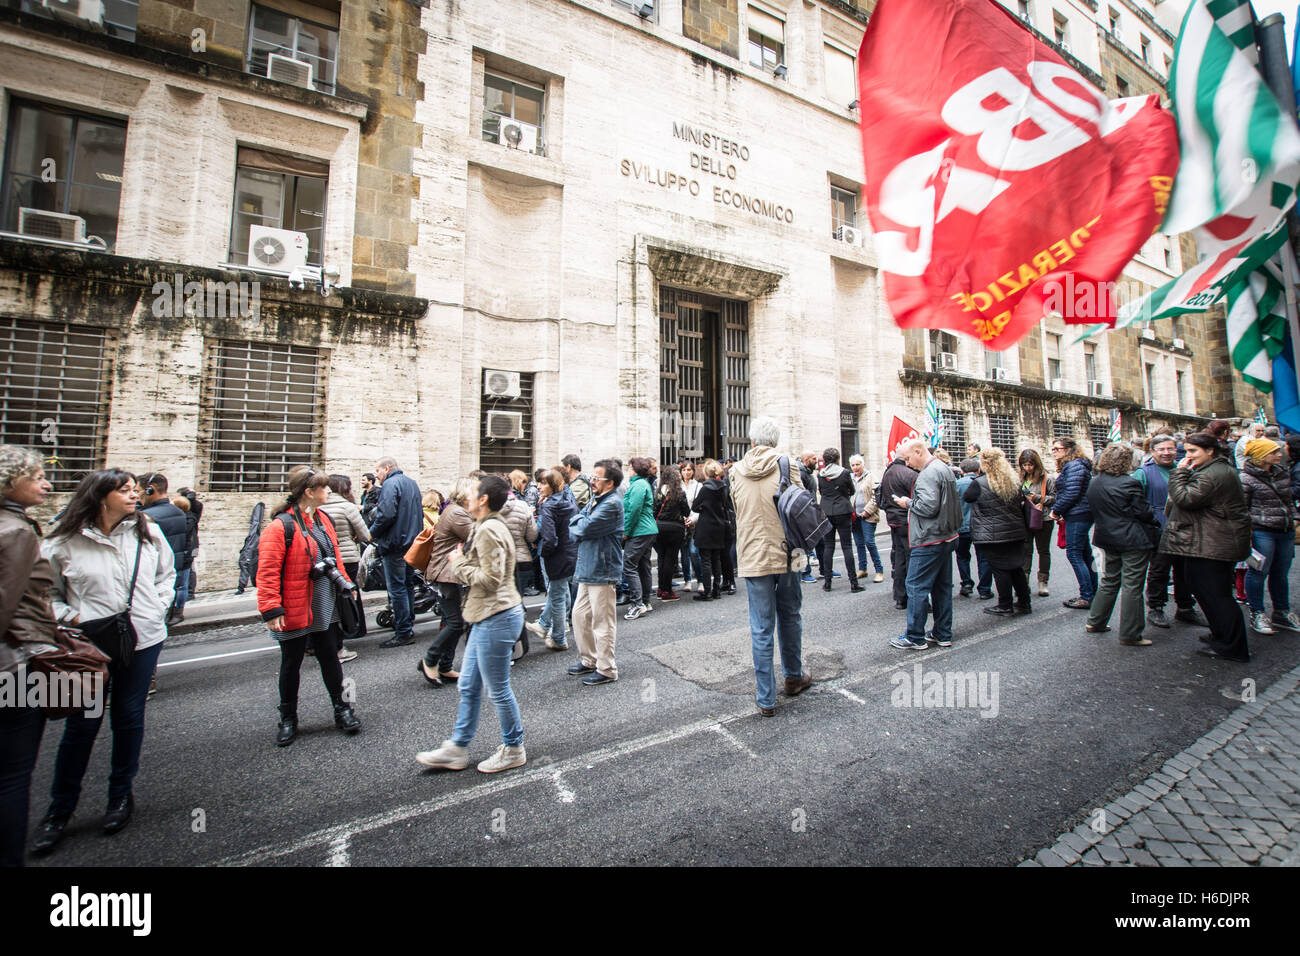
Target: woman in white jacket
column 92, row 555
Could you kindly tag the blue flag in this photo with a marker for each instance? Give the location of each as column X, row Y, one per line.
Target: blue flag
column 1286, row 396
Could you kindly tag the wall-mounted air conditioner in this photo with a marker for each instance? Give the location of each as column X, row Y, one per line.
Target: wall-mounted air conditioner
column 849, row 234
column 1057, row 385
column 997, row 375
column 288, row 70
column 40, row 224
column 522, row 136
column 1149, row 334
column 1065, row 46
column 282, row 250
column 1179, row 344
column 499, row 384
column 87, row 11
column 505, row 426
column 947, row 361
column 1097, row 389
column 1117, row 33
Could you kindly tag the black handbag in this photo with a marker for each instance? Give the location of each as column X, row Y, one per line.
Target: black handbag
column 347, row 611
column 115, row 634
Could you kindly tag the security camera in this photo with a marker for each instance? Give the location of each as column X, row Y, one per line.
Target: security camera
column 296, row 280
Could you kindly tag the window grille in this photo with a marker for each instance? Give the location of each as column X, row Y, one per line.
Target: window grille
column 264, row 403
column 1062, row 429
column 1002, row 434
column 1099, row 435
column 54, row 394
column 503, row 455
column 954, row 433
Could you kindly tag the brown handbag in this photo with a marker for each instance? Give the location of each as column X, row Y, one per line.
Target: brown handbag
column 83, row 663
column 421, row 550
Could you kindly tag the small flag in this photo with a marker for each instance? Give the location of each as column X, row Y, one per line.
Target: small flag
column 1260, row 416
column 1114, row 435
column 899, row 434
column 933, row 420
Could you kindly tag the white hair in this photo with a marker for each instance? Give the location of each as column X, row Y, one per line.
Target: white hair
column 856, row 460
column 17, row 462
column 764, row 430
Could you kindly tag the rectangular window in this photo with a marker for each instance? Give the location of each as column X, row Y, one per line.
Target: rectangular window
column 117, row 18
column 992, row 364
column 1099, row 435
column 848, row 432
column 1114, row 20
column 277, row 191
column 1090, row 362
column 66, row 163
column 315, row 44
column 766, row 40
column 1002, row 434
column 1180, row 383
column 844, row 209
column 1146, row 49
column 54, row 394
column 841, row 76
column 265, row 402
column 954, row 433
column 1149, row 375
column 942, row 343
column 1060, row 28
column 506, row 431
column 1024, row 11
column 1052, row 348
column 1062, row 429
column 514, row 113
column 1121, row 85
column 1176, row 326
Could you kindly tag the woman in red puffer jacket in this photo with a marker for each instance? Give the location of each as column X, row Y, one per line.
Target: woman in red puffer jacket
column 298, row 606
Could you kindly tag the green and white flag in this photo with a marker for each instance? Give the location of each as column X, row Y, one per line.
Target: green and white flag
column 1237, row 179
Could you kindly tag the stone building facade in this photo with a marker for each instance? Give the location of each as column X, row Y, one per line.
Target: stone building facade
column 533, row 227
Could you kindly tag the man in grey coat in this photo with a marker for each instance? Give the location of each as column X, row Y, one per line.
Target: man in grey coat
column 933, row 521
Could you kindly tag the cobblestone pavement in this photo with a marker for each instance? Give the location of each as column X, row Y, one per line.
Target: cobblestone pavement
column 1230, row 799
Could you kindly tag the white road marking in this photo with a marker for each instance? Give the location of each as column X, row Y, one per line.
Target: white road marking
column 849, row 694
column 216, row 657
column 723, row 731
column 340, row 851
column 564, row 793
column 501, row 784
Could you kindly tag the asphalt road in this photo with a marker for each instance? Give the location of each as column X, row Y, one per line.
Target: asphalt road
column 670, row 765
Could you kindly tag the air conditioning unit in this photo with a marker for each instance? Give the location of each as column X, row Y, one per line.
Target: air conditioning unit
column 849, row 234
column 282, row 250
column 1057, row 384
column 1149, row 334
column 1117, row 33
column 499, row 384
column 947, row 361
column 288, row 70
column 505, row 426
column 521, row 136
column 1097, row 389
column 998, row 375
column 86, row 11
column 1065, row 46
column 1179, row 344
column 51, row 225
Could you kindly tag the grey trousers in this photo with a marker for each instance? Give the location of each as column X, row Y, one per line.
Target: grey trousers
column 1125, row 575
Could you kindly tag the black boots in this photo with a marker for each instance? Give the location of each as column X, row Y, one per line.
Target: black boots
column 287, row 730
column 344, row 718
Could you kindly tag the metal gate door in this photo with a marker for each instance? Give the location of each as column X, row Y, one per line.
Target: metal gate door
column 703, row 376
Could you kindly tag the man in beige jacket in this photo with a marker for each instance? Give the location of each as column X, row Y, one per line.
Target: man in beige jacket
column 774, row 593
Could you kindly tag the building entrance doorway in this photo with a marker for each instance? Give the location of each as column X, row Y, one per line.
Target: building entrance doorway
column 703, row 376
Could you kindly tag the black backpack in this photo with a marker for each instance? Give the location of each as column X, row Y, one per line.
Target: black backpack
column 802, row 520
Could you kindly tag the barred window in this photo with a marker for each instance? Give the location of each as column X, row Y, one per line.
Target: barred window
column 1002, row 433
column 1062, row 429
column 1099, row 435
column 54, row 394
column 506, row 423
column 264, row 403
column 954, row 433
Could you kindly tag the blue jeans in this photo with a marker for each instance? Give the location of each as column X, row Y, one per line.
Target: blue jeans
column 127, row 693
column 929, row 584
column 1078, row 551
column 1278, row 549
column 182, row 587
column 691, row 562
column 487, row 662
column 555, row 615
column 981, row 565
column 774, row 603
column 401, row 592
column 864, row 537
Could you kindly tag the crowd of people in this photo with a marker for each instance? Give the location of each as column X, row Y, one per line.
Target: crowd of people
column 1207, row 514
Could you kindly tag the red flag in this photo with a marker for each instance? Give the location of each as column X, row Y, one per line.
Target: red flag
column 899, row 433
column 998, row 180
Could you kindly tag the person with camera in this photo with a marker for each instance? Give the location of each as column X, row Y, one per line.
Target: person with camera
column 106, row 558
column 27, row 627
column 299, row 582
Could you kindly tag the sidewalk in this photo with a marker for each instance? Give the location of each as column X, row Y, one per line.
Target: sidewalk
column 1230, row 799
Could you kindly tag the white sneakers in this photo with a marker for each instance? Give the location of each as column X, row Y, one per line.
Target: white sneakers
column 535, row 629
column 505, row 758
column 448, row 756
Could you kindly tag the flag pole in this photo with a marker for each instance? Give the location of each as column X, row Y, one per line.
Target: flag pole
column 1270, row 36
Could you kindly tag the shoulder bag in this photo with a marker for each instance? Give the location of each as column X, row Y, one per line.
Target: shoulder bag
column 1034, row 512
column 81, row 662
column 115, row 634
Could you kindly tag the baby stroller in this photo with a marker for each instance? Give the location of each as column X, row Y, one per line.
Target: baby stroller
column 371, row 575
